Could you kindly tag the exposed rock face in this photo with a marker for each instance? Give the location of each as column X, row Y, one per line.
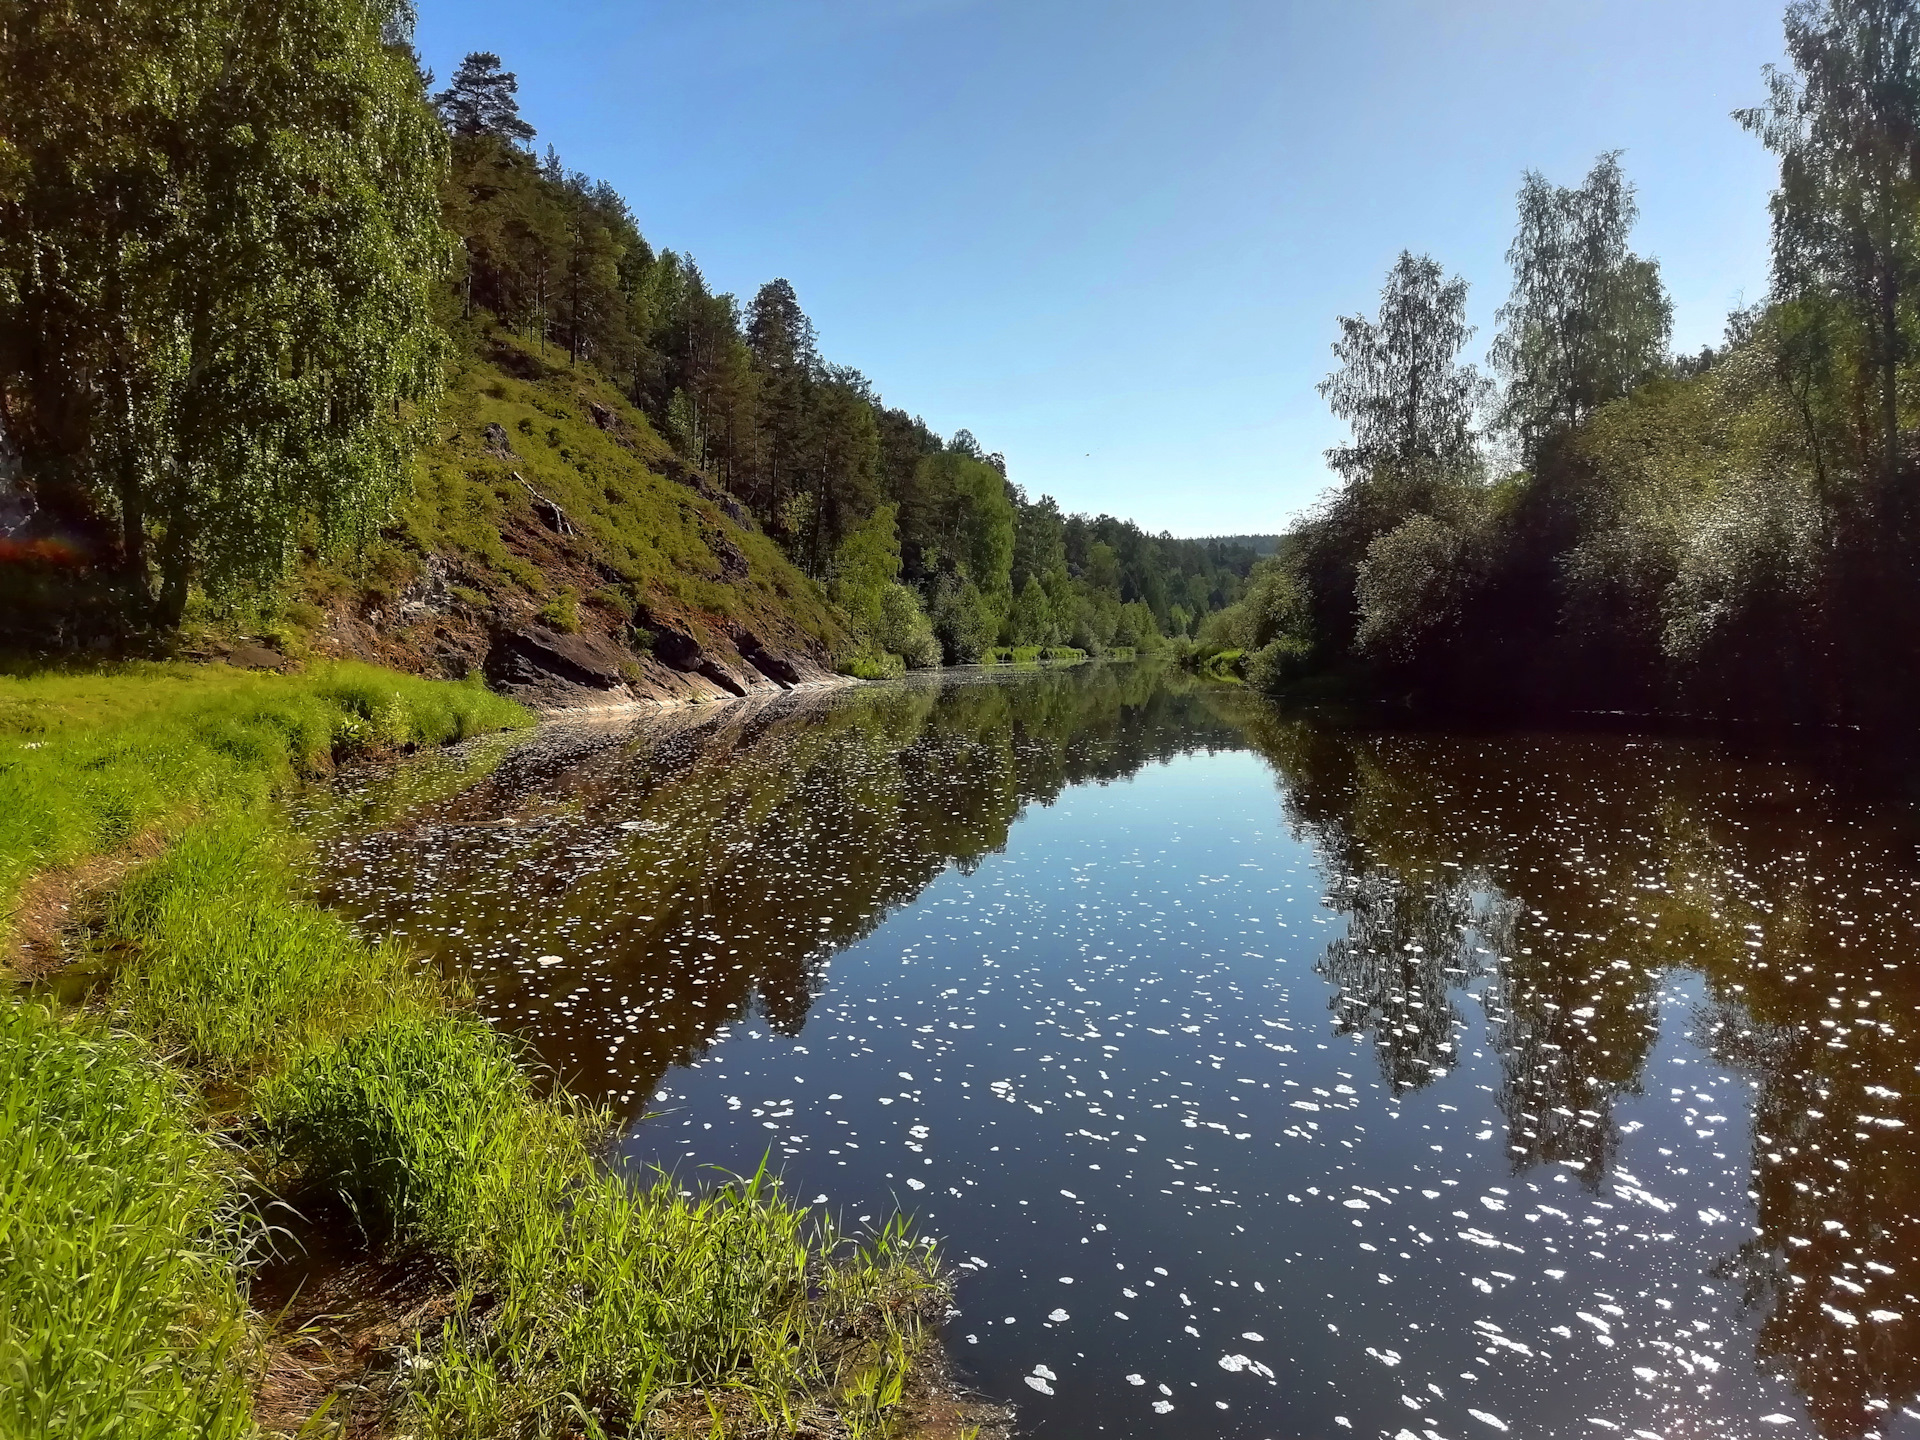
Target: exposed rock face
column 733, row 564
column 724, row 675
column 553, row 671
column 256, row 657
column 778, row 666
column 674, row 647
column 496, row 443
column 550, row 671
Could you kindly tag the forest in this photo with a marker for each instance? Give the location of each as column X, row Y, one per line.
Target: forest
column 1601, row 525
column 242, row 250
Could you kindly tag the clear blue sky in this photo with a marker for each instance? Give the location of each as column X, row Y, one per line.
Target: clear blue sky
column 1111, row 238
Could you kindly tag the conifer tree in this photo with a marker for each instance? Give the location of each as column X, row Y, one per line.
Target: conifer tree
column 483, row 100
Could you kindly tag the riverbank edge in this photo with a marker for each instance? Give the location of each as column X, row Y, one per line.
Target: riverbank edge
column 224, row 1086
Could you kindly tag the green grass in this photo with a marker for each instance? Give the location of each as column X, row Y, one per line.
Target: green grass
column 871, row 664
column 90, row 758
column 224, row 964
column 1032, row 655
column 120, row 1314
column 663, row 540
column 1227, row 664
column 588, row 1303
column 120, row 1220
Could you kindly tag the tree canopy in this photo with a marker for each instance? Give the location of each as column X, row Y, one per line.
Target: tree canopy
column 1400, row 386
column 219, row 228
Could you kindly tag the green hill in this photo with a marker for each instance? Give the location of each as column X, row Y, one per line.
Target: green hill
column 555, row 543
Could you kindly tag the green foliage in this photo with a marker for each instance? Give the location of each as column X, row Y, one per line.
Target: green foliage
column 219, row 224
column 1136, row 629
column 889, row 614
column 561, row 613
column 963, row 521
column 1845, row 238
column 1412, row 582
column 866, row 564
column 584, row 1299
column 1410, row 403
column 120, row 1314
column 481, row 100
column 1031, row 621
column 1272, row 606
column 964, row 620
column 905, row 630
column 1588, row 319
column 429, row 1128
column 659, row 535
column 91, row 758
column 1731, row 533
column 873, row 664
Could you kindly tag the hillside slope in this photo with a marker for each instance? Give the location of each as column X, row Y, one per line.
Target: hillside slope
column 555, row 543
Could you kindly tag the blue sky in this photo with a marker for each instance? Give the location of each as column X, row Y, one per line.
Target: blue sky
column 1112, row 238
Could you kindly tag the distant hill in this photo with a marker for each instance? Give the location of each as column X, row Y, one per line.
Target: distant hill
column 1259, row 544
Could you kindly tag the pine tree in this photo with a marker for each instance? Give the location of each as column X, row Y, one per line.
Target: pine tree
column 481, row 100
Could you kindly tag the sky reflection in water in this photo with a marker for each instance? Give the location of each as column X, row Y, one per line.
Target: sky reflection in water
column 1265, row 1079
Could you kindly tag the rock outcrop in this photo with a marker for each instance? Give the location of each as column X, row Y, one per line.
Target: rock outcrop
column 550, row 671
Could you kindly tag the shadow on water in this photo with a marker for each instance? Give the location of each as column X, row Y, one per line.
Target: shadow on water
column 1636, row 949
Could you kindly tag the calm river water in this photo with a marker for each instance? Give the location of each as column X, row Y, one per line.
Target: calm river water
column 1265, row 1079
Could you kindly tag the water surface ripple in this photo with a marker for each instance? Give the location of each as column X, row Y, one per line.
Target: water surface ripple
column 1264, row 1078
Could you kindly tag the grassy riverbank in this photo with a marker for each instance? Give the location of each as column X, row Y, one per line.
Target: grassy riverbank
column 239, row 1044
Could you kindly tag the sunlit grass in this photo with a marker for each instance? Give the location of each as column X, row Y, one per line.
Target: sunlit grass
column 90, row 758
column 120, row 1314
column 220, row 959
column 587, row 1304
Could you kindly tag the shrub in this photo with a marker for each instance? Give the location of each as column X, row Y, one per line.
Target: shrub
column 904, row 629
column 1411, row 584
column 561, row 613
column 872, row 664
column 1277, row 664
column 963, row 619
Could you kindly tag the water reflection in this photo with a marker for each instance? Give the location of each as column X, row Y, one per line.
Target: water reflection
column 1640, row 1151
column 654, row 883
column 1790, row 889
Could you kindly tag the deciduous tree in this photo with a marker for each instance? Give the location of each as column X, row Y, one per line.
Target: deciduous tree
column 219, row 226
column 1588, row 319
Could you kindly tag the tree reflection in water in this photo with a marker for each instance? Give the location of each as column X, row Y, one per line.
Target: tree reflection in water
column 1558, row 880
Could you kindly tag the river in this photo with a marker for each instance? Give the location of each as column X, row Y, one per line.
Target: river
column 1263, row 1077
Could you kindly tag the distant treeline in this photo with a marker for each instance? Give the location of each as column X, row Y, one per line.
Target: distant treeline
column 1603, row 525
column 239, row 244
column 1259, row 544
